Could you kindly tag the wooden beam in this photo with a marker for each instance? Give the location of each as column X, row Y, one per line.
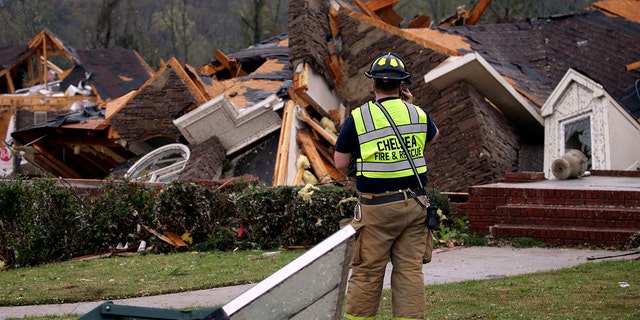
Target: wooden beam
column 207, row 69
column 297, row 99
column 307, row 100
column 9, row 80
column 421, row 21
column 334, row 69
column 477, row 11
column 169, row 237
column 324, row 151
column 48, row 162
column 334, row 173
column 282, row 157
column 317, row 127
column 384, row 10
column 198, row 92
column 317, row 162
column 232, row 64
column 365, row 9
column 633, row 66
column 377, row 5
column 43, row 76
column 334, row 23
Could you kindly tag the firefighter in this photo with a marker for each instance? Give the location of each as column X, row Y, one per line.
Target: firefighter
column 390, row 224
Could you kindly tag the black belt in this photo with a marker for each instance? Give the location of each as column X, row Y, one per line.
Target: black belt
column 397, row 196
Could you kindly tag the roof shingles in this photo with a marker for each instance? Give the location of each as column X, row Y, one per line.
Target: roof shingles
column 536, row 54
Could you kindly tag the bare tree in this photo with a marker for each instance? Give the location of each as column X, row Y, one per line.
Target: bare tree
column 252, row 18
column 181, row 30
column 498, row 10
column 509, row 10
column 104, row 23
column 23, row 19
column 264, row 18
column 190, row 30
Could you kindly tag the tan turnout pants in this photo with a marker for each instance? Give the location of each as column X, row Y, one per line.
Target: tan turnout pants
column 393, row 231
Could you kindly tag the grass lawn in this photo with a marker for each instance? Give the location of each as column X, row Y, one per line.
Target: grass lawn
column 588, row 291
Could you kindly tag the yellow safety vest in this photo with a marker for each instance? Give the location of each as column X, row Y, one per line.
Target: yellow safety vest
column 381, row 154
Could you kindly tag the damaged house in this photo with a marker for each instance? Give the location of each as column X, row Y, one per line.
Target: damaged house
column 178, row 123
column 503, row 95
column 42, row 82
column 508, row 97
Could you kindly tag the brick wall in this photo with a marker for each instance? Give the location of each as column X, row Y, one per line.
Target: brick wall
column 477, row 144
column 152, row 111
column 607, row 215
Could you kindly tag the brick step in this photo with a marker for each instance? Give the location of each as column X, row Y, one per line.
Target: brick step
column 575, row 216
column 565, row 235
column 555, row 197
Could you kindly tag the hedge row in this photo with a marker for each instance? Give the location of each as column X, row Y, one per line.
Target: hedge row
column 42, row 222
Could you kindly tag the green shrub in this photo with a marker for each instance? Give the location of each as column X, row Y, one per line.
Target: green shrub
column 290, row 216
column 36, row 223
column 114, row 216
column 44, row 221
column 201, row 212
column 13, row 197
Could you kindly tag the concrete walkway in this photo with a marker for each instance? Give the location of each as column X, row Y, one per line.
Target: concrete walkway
column 452, row 265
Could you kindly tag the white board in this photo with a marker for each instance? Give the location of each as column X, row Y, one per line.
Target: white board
column 310, row 287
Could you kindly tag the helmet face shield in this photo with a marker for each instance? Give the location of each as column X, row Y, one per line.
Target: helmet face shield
column 388, row 66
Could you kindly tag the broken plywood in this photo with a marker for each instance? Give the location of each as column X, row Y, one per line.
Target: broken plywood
column 284, row 143
column 628, row 9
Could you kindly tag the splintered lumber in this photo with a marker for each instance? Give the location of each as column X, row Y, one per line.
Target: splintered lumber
column 316, row 127
column 317, row 162
column 132, row 248
column 365, row 9
column 231, row 64
column 297, row 99
column 384, row 10
column 300, row 87
column 176, row 239
column 323, row 151
column 377, row 5
column 633, row 66
column 280, row 174
column 303, row 99
column 334, row 68
column 477, row 12
column 169, row 238
column 421, row 21
column 334, row 23
column 334, row 173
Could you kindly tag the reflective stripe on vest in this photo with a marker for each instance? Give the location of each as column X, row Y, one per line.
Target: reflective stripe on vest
column 382, row 155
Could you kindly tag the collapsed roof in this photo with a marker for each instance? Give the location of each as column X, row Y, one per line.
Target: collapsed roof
column 236, row 109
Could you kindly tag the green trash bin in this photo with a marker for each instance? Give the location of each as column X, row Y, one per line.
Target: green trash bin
column 109, row 310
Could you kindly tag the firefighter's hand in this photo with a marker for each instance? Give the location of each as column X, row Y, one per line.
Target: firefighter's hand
column 406, row 95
